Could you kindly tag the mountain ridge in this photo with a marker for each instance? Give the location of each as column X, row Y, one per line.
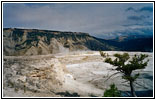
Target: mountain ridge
column 38, row 42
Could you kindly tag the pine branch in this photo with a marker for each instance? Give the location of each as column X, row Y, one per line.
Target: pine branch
column 111, row 76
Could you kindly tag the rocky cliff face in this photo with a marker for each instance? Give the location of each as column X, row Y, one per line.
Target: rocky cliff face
column 37, row 42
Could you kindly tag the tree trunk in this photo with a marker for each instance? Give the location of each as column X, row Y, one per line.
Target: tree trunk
column 132, row 89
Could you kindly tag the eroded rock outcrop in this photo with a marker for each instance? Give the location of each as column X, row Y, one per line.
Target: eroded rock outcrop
column 35, row 74
column 19, row 42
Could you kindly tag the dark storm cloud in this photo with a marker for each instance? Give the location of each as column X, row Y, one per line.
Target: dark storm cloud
column 142, row 17
column 148, row 9
column 130, row 9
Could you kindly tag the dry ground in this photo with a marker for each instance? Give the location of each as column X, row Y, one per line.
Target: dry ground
column 80, row 74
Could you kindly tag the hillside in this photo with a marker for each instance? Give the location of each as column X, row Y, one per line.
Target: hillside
column 131, row 43
column 38, row 42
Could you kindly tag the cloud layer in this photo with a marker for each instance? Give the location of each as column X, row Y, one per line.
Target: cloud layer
column 103, row 20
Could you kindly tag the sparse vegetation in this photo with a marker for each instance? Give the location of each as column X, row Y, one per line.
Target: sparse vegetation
column 24, row 88
column 112, row 92
column 16, row 89
column 11, row 84
column 43, row 74
column 67, row 94
column 126, row 66
column 103, row 54
column 85, row 58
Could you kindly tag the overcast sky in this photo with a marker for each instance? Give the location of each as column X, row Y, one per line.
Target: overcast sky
column 103, row 20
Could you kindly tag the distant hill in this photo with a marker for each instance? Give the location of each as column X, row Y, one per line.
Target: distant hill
column 131, row 43
column 37, row 42
column 131, row 37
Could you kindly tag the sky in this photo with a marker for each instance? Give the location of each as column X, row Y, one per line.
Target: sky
column 103, row 20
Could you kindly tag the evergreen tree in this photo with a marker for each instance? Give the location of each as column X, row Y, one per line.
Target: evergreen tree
column 112, row 92
column 126, row 66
